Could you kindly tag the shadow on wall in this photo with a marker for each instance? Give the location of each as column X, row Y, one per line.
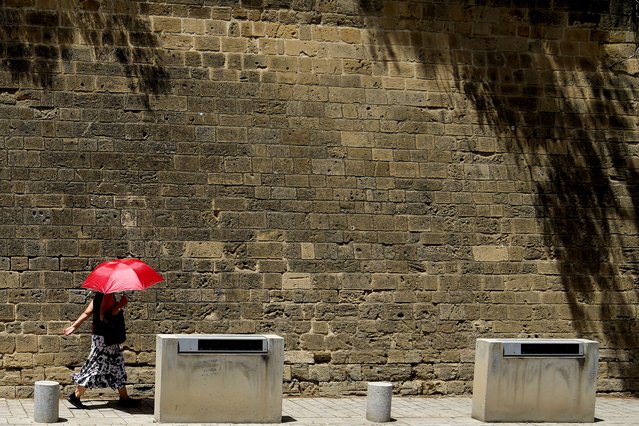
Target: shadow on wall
column 37, row 44
column 573, row 113
column 560, row 97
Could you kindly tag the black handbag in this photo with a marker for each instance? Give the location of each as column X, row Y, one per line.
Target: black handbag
column 114, row 329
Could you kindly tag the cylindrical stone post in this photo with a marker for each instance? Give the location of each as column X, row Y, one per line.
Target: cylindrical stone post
column 378, row 401
column 46, row 401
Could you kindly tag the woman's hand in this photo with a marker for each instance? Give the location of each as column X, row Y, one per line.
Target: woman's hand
column 120, row 305
column 83, row 316
column 123, row 301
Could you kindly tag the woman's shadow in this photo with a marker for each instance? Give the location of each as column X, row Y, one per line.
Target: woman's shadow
column 146, row 406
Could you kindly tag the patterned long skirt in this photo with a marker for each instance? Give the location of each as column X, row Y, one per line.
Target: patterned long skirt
column 103, row 368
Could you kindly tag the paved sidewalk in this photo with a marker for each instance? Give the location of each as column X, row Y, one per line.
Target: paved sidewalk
column 316, row 411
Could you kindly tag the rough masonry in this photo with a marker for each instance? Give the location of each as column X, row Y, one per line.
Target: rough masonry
column 380, row 182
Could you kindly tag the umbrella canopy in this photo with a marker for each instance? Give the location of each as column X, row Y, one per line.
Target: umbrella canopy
column 121, row 275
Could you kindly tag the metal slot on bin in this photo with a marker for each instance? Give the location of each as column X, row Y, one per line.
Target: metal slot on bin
column 230, row 345
column 535, row 380
column 544, row 348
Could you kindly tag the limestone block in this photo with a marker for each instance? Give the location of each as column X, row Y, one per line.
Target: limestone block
column 490, row 253
column 7, row 392
column 293, row 280
column 313, row 341
column 24, row 343
column 265, row 249
column 7, row 344
column 7, row 312
column 209, row 249
column 299, row 357
column 9, row 279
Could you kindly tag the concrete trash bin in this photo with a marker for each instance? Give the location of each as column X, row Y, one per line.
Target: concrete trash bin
column 219, row 378
column 535, row 380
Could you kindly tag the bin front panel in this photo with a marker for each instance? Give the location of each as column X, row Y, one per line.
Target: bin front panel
column 521, row 381
column 218, row 387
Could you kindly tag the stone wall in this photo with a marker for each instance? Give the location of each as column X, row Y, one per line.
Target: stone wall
column 380, row 182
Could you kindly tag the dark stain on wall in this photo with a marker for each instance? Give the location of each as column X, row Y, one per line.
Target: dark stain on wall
column 543, row 80
column 575, row 149
column 36, row 44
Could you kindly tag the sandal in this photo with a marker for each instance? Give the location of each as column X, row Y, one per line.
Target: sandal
column 75, row 401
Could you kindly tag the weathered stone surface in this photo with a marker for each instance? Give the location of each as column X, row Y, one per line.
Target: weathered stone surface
column 381, row 183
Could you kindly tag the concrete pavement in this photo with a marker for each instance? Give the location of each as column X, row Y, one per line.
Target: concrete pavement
column 405, row 411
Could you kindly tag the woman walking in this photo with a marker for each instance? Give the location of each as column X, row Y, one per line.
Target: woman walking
column 104, row 366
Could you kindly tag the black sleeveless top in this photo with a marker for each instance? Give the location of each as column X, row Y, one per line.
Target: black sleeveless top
column 99, row 327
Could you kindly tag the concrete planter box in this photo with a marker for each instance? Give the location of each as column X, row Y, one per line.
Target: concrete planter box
column 219, row 378
column 535, row 380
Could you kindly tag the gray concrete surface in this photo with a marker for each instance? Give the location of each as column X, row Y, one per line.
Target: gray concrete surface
column 46, row 408
column 188, row 380
column 512, row 385
column 411, row 411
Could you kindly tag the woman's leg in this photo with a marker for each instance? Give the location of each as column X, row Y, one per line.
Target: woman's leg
column 75, row 396
column 123, row 393
column 125, row 399
column 79, row 391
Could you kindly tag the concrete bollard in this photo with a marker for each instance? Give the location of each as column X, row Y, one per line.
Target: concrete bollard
column 46, row 401
column 378, row 401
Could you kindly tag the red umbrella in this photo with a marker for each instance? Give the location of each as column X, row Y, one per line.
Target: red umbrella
column 121, row 275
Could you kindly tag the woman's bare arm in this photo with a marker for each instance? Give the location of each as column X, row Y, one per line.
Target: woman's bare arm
column 83, row 316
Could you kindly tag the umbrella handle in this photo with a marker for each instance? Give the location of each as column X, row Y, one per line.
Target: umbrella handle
column 124, row 293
